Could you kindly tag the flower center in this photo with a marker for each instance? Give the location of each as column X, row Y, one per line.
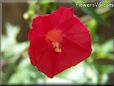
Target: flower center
column 55, row 37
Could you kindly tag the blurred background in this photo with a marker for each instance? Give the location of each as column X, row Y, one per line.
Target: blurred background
column 16, row 22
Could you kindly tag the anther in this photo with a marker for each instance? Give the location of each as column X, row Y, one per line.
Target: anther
column 56, row 46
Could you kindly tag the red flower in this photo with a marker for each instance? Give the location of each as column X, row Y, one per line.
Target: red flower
column 58, row 41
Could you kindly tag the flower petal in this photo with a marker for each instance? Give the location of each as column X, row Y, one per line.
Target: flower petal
column 46, row 63
column 36, row 49
column 42, row 24
column 61, row 15
column 75, row 31
column 72, row 54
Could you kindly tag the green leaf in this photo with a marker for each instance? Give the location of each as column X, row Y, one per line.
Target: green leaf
column 92, row 26
column 104, row 51
column 107, row 69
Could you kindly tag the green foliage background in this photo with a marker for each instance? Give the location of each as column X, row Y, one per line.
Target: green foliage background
column 16, row 67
